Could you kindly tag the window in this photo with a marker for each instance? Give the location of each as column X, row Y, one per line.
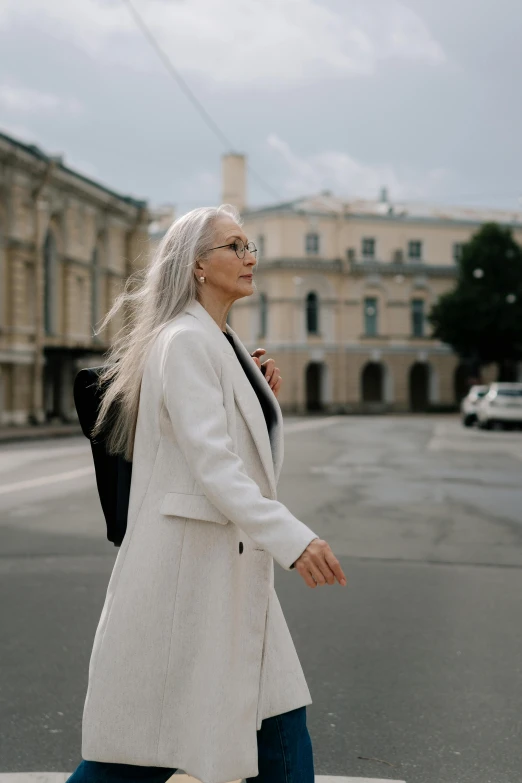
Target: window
column 312, row 313
column 417, row 317
column 263, row 314
column 80, row 220
column 457, row 251
column 1, row 278
column 95, row 285
column 415, row 250
column 312, row 243
column 368, row 247
column 30, row 293
column 80, row 309
column 49, row 283
column 370, row 316
column 509, row 393
column 260, row 245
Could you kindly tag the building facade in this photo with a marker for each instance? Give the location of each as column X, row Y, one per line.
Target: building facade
column 67, row 245
column 344, row 289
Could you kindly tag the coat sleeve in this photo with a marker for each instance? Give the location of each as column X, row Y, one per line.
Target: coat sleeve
column 193, row 396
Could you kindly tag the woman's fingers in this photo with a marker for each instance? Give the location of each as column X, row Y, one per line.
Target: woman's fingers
column 257, row 354
column 272, row 373
column 268, row 369
column 307, row 576
column 318, row 565
column 335, row 567
column 322, row 573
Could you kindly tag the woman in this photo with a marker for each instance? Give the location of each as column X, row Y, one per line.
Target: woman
column 193, row 666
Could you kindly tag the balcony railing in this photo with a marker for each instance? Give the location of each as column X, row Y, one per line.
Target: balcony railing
column 405, row 268
column 370, row 266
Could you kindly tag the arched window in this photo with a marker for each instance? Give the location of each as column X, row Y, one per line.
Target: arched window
column 49, row 257
column 418, row 317
column 371, row 316
column 263, row 314
column 312, row 313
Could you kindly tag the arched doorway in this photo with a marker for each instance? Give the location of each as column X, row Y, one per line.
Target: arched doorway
column 52, row 385
column 372, row 382
column 461, row 381
column 314, row 377
column 419, row 386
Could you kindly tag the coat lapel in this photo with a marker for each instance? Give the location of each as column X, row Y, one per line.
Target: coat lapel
column 269, row 445
column 244, row 391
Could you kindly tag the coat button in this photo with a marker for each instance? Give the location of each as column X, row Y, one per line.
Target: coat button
column 240, row 547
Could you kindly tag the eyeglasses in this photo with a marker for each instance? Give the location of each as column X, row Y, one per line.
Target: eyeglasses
column 240, row 247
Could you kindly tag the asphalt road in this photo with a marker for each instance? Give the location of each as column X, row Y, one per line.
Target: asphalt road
column 416, row 665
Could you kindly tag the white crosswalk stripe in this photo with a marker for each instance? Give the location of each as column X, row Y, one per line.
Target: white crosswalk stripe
column 452, row 436
column 43, row 481
column 61, row 777
column 313, row 424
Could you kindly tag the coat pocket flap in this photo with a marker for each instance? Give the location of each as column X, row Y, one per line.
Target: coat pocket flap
column 180, row 504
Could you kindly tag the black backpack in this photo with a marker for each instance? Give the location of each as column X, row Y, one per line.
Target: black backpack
column 113, row 472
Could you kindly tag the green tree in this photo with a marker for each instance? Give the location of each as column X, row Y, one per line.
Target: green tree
column 481, row 319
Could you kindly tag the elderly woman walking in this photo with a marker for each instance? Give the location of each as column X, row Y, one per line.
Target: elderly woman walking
column 193, row 666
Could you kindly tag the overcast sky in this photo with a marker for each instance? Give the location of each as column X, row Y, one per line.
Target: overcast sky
column 422, row 96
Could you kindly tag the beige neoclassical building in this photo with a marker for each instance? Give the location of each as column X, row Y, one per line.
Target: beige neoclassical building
column 67, row 244
column 344, row 289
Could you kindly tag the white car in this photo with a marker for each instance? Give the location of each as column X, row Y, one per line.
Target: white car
column 501, row 407
column 469, row 404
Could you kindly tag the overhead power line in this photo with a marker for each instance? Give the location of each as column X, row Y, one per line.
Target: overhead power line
column 174, row 73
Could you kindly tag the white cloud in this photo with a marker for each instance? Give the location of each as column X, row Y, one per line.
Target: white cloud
column 268, row 43
column 21, row 100
column 346, row 176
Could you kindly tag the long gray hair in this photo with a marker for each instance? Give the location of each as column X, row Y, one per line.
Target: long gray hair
column 151, row 298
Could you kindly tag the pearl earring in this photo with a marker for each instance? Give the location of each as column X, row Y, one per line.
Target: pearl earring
column 202, row 279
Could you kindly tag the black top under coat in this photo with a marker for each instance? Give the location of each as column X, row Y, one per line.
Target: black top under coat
column 268, row 411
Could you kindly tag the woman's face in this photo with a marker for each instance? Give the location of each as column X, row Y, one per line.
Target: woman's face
column 226, row 275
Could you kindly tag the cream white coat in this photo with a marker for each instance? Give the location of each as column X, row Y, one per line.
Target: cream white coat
column 192, row 650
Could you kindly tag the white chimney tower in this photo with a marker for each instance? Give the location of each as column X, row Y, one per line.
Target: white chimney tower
column 233, row 170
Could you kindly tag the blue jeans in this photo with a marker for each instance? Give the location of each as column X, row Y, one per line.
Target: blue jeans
column 284, row 752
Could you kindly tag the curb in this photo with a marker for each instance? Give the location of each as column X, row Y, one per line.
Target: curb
column 61, row 777
column 19, row 434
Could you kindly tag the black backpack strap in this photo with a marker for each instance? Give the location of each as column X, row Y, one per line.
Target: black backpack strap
column 113, row 472
column 87, row 398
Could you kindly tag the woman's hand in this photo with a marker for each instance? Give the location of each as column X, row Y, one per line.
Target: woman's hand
column 318, row 565
column 270, row 371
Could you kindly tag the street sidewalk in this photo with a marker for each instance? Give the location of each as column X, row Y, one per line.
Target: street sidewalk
column 36, row 431
column 61, row 777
